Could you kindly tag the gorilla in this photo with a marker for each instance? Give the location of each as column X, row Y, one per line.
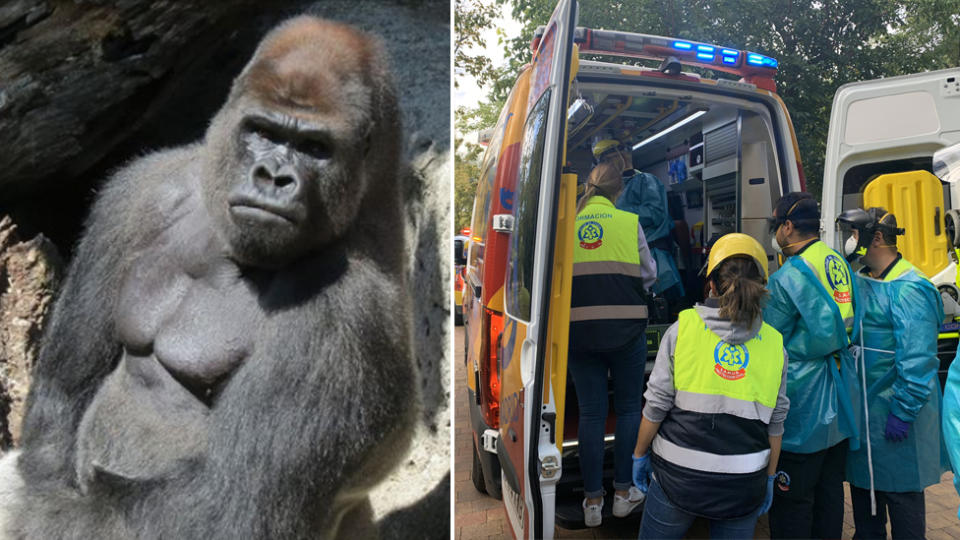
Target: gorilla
column 230, row 355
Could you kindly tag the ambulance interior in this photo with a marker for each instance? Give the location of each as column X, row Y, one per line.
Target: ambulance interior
column 716, row 156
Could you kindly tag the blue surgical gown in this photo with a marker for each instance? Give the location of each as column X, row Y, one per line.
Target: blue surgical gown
column 901, row 316
column 823, row 405
column 951, row 418
column 644, row 195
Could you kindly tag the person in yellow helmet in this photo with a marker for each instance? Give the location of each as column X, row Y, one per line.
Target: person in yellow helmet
column 644, row 195
column 612, row 269
column 715, row 405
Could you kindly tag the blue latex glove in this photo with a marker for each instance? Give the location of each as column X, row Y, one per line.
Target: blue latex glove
column 641, row 472
column 896, row 428
column 768, row 498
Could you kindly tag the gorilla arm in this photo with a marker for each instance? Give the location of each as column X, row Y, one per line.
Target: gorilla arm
column 79, row 347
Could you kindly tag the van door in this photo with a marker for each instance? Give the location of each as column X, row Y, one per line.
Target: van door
column 529, row 455
column 879, row 129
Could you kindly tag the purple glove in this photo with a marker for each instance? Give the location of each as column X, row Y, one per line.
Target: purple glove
column 896, row 428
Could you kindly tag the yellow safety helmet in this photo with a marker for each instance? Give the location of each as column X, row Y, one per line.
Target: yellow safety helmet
column 733, row 244
column 602, row 146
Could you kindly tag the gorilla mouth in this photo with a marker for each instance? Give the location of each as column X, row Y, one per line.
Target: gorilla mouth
column 251, row 209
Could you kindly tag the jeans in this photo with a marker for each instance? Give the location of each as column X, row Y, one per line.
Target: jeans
column 661, row 519
column 812, row 507
column 589, row 372
column 907, row 514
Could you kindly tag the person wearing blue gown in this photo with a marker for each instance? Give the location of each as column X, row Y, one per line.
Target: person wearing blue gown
column 644, row 195
column 812, row 305
column 899, row 314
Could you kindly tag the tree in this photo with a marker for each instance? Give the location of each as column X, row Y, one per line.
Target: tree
column 820, row 44
column 465, row 174
column 471, row 18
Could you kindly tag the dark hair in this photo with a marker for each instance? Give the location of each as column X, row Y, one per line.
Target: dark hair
column 740, row 286
column 883, row 217
column 801, row 209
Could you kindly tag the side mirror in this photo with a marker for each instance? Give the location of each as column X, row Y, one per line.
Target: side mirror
column 578, row 115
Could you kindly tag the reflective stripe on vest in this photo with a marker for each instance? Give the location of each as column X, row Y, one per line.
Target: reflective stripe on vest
column 708, row 462
column 834, row 275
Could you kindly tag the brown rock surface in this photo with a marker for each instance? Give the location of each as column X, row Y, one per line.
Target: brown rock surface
column 29, row 274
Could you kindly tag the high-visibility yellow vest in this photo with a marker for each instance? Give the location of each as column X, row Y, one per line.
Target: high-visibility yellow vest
column 705, row 364
column 713, row 448
column 900, row 267
column 834, row 274
column 608, row 307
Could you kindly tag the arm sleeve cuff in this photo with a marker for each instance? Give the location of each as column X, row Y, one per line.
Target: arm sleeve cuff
column 654, row 414
column 773, row 430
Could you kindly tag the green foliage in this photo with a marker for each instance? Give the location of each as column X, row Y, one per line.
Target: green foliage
column 820, row 44
column 470, row 19
column 465, row 174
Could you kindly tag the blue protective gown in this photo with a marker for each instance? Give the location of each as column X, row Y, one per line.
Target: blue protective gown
column 646, row 197
column 951, row 419
column 901, row 315
column 823, row 399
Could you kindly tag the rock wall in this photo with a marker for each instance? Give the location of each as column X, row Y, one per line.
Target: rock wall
column 29, row 275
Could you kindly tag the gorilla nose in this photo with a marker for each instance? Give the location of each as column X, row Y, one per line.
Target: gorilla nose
column 274, row 183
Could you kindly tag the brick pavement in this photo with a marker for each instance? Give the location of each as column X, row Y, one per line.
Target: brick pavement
column 478, row 516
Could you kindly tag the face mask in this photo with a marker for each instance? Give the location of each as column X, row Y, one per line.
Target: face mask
column 775, row 244
column 850, row 246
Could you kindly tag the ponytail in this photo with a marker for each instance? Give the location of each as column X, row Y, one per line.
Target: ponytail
column 741, row 288
column 604, row 179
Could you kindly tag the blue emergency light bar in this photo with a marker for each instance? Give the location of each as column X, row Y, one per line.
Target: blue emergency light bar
column 755, row 59
column 754, row 68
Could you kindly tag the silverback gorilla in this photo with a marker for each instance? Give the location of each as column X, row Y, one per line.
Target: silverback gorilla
column 230, row 354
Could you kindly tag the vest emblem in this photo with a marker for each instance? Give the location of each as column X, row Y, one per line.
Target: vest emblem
column 591, row 235
column 838, row 278
column 730, row 361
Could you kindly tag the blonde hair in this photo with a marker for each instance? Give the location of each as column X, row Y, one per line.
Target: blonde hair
column 605, row 179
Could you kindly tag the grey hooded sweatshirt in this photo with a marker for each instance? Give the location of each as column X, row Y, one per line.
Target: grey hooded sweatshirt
column 660, row 388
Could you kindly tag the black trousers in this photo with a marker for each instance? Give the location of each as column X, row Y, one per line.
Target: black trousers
column 812, row 506
column 907, row 514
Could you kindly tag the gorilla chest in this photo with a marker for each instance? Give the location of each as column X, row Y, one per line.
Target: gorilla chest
column 198, row 323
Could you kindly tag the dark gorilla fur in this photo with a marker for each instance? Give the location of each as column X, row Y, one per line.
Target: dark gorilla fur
column 230, row 355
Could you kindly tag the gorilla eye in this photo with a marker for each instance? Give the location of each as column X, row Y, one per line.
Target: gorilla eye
column 315, row 148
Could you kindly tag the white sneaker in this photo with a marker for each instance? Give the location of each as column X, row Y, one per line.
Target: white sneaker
column 592, row 513
column 622, row 506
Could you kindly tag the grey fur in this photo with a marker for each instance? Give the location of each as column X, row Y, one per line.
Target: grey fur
column 304, row 346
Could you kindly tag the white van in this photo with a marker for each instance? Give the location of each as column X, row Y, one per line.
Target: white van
column 880, row 148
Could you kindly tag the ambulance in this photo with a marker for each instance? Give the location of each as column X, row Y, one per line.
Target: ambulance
column 725, row 150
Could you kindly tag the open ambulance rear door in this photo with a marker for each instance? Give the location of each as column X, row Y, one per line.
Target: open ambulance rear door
column 537, row 289
column 880, row 147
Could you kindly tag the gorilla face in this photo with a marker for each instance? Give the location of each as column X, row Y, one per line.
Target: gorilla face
column 291, row 184
column 291, row 149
